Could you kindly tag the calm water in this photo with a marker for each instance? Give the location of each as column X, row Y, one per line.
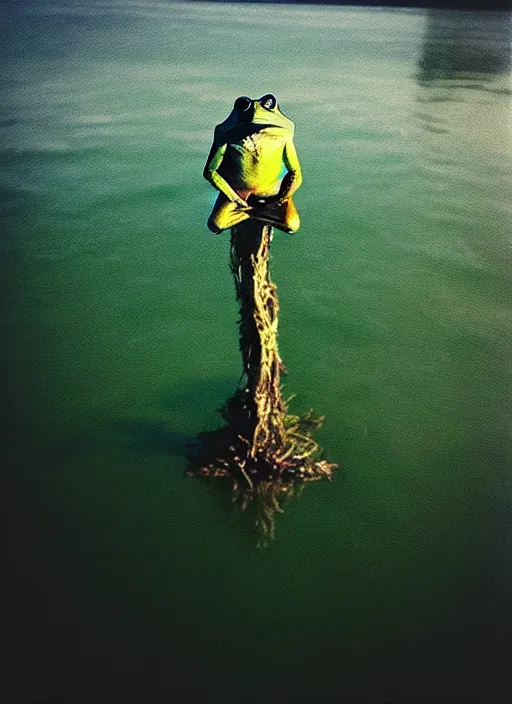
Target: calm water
column 129, row 581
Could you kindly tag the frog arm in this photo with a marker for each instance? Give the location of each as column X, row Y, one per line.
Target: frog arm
column 211, row 174
column 293, row 179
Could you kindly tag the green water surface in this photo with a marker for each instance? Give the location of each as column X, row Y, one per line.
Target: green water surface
column 128, row 581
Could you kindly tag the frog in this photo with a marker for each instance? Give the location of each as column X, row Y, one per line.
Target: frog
column 254, row 165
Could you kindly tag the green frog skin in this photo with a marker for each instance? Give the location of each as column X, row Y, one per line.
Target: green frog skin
column 253, row 155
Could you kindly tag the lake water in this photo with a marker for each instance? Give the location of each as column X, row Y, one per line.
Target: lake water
column 130, row 582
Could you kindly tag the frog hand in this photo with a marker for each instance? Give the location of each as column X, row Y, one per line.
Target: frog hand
column 242, row 204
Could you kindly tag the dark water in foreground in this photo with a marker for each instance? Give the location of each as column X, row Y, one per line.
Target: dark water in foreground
column 127, row 581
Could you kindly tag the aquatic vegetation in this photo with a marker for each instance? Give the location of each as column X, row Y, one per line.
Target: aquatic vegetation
column 264, row 449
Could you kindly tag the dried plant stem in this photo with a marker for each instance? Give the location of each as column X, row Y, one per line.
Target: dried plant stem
column 259, row 308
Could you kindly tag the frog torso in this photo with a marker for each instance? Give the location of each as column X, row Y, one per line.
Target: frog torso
column 254, row 156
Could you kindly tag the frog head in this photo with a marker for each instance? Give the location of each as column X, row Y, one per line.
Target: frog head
column 263, row 111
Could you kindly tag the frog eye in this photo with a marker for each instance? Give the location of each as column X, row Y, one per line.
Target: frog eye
column 242, row 104
column 268, row 101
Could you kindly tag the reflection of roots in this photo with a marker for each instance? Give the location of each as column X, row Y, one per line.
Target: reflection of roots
column 265, row 450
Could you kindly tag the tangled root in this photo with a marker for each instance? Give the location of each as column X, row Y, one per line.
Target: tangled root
column 266, row 451
column 264, row 484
